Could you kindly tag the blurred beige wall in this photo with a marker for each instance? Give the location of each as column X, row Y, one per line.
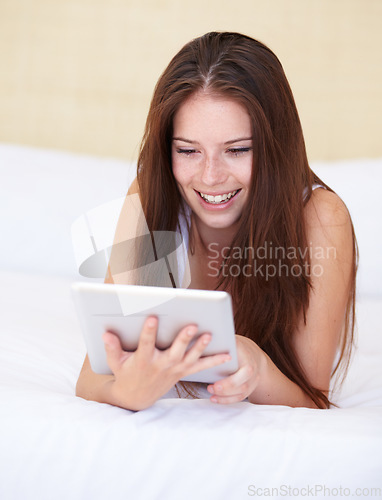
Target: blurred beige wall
column 78, row 75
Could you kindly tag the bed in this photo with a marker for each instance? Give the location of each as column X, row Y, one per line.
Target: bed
column 54, row 445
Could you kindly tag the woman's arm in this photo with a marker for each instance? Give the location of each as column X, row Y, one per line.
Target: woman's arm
column 91, row 385
column 329, row 236
column 143, row 376
column 127, row 227
column 330, row 231
column 259, row 380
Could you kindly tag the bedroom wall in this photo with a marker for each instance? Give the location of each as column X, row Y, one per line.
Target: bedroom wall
column 78, row 75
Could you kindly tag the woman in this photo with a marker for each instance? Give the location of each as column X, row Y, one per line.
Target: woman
column 223, row 155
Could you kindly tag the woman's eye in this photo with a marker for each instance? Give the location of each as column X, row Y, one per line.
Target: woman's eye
column 238, row 151
column 186, row 152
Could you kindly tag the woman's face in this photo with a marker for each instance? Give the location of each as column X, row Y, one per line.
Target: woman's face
column 212, row 158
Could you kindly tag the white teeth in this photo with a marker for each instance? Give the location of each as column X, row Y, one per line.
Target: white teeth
column 220, row 198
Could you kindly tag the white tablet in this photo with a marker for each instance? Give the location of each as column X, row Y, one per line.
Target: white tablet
column 122, row 309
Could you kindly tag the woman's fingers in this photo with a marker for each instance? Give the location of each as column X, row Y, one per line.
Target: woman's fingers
column 196, row 351
column 205, row 362
column 224, row 400
column 180, row 357
column 181, row 343
column 188, row 359
column 236, row 387
column 115, row 355
column 147, row 338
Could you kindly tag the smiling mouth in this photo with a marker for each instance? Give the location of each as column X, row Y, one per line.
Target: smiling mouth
column 220, row 199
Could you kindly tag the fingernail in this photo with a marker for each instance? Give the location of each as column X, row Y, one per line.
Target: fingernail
column 151, row 322
column 190, row 331
column 207, row 340
column 213, row 399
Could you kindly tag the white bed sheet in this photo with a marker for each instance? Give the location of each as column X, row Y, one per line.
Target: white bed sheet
column 57, row 446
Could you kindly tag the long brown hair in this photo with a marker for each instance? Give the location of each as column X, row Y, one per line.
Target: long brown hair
column 238, row 67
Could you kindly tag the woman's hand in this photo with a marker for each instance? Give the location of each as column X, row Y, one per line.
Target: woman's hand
column 143, row 376
column 242, row 383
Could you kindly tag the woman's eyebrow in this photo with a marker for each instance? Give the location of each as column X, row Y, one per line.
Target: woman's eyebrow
column 184, row 140
column 231, row 141
column 239, row 140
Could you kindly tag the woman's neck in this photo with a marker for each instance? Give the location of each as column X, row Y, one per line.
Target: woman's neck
column 209, row 240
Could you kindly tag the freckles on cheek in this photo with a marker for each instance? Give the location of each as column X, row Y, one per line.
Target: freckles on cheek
column 175, row 168
column 181, row 174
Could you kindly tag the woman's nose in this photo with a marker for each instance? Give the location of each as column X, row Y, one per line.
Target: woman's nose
column 213, row 171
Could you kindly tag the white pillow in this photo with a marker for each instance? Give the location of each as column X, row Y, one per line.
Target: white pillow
column 42, row 193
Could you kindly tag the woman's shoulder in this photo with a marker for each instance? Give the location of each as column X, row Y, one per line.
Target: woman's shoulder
column 326, row 209
column 329, row 225
column 134, row 187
